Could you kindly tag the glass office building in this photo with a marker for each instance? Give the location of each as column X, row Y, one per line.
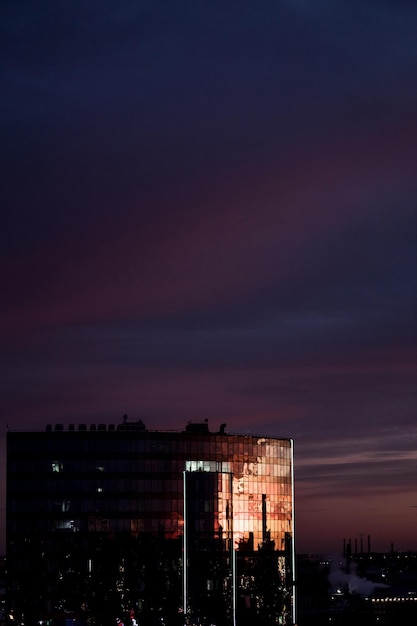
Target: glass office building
column 190, row 527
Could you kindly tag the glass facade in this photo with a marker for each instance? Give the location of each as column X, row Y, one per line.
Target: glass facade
column 191, row 527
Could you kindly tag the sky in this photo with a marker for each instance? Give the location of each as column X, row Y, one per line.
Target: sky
column 209, row 211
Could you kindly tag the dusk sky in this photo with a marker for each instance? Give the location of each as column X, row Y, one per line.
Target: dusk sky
column 209, row 210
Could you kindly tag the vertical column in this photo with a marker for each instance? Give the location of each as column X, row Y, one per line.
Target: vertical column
column 185, row 551
column 233, row 553
column 294, row 603
column 209, row 560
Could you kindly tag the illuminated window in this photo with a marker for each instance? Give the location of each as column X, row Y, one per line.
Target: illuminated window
column 208, row 466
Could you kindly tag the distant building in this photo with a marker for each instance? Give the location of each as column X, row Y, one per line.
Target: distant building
column 191, row 527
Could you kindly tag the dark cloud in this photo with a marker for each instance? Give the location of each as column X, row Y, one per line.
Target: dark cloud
column 209, row 210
